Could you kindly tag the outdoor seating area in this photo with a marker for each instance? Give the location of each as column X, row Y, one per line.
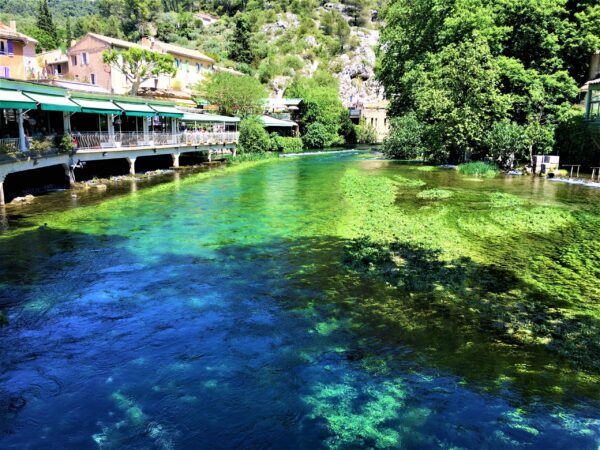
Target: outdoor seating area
column 35, row 117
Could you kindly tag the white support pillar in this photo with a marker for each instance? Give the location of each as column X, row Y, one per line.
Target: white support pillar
column 209, row 156
column 22, row 140
column 146, row 131
column 175, row 157
column 67, row 122
column 70, row 175
column 111, row 128
column 131, row 162
column 2, row 192
column 173, row 126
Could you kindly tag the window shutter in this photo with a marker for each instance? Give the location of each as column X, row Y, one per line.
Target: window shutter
column 9, row 49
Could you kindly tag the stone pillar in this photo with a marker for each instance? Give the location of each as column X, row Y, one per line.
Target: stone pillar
column 2, row 192
column 67, row 122
column 209, row 156
column 233, row 151
column 175, row 157
column 69, row 173
column 22, row 140
column 173, row 126
column 131, row 162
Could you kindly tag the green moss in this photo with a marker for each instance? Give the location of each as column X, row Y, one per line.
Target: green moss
column 434, row 194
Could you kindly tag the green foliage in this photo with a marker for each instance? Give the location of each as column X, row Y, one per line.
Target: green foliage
column 240, row 96
column 253, row 136
column 434, row 194
column 406, row 139
column 240, row 49
column 578, row 141
column 464, row 66
column 316, row 136
column 46, row 26
column 139, row 65
column 366, row 134
column 321, row 110
column 507, row 142
column 65, row 144
column 286, row 144
column 479, row 169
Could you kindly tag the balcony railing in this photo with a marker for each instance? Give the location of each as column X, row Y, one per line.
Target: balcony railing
column 101, row 140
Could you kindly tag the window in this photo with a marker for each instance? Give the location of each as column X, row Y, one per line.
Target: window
column 6, row 47
column 198, row 67
column 74, row 60
column 84, row 59
column 187, row 65
column 93, row 78
column 4, row 72
column 177, row 62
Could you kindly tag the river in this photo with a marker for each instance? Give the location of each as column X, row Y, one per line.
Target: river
column 217, row 313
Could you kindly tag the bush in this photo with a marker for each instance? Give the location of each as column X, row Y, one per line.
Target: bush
column 286, row 144
column 253, row 136
column 406, row 139
column 64, row 143
column 507, row 142
column 577, row 141
column 316, row 136
column 40, row 147
column 366, row 134
column 479, row 168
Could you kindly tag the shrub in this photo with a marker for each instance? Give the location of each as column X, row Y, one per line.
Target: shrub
column 64, row 143
column 39, row 147
column 406, row 138
column 479, row 168
column 253, row 136
column 366, row 134
column 317, row 136
column 286, row 144
column 507, row 142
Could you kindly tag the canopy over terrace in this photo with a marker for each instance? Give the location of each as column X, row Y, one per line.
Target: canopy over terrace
column 209, row 119
column 97, row 111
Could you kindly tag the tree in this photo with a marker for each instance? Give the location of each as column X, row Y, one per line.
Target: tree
column 360, row 11
column 68, row 32
column 239, row 49
column 45, row 23
column 240, row 96
column 253, row 136
column 320, row 105
column 406, row 139
column 463, row 66
column 139, row 65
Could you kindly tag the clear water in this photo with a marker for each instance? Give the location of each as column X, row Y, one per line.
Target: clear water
column 217, row 314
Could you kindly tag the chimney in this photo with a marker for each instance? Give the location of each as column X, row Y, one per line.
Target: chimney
column 73, row 42
column 13, row 25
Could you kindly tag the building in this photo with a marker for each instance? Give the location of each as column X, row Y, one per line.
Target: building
column 591, row 90
column 52, row 64
column 86, row 65
column 374, row 115
column 17, row 53
column 207, row 19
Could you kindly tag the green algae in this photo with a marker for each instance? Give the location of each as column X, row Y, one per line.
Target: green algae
column 435, row 194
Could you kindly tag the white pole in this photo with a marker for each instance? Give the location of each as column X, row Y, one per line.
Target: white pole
column 22, row 140
column 111, row 129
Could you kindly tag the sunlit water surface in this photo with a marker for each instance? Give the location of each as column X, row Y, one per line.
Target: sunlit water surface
column 212, row 315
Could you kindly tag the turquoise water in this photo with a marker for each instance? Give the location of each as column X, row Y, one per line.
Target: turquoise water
column 217, row 314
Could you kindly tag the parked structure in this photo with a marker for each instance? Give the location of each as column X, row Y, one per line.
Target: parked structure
column 17, row 53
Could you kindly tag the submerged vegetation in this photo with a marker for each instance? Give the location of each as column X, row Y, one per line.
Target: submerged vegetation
column 478, row 168
column 521, row 271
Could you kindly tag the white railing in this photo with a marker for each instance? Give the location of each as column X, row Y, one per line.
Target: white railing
column 99, row 140
column 10, row 143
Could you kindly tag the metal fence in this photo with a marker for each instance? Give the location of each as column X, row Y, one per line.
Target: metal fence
column 99, row 140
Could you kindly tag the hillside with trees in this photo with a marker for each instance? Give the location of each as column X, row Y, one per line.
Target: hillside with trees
column 274, row 41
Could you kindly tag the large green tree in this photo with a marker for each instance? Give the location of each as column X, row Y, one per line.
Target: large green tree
column 462, row 66
column 139, row 65
column 240, row 49
column 45, row 23
column 240, row 96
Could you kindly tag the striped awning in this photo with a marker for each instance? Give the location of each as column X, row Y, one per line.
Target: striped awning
column 53, row 102
column 15, row 100
column 97, row 106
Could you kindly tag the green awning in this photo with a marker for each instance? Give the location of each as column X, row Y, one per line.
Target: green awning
column 167, row 111
column 15, row 100
column 97, row 106
column 136, row 109
column 54, row 103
